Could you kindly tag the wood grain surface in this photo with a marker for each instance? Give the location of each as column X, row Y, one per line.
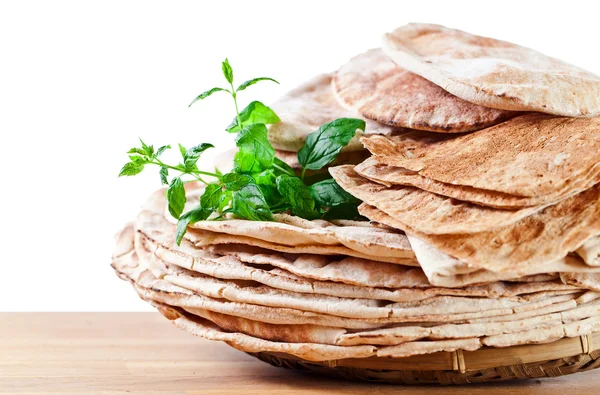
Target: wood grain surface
column 142, row 353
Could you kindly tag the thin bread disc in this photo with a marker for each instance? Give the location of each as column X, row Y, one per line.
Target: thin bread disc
column 424, row 211
column 494, row 73
column 534, row 241
column 529, row 155
column 372, row 85
column 392, row 175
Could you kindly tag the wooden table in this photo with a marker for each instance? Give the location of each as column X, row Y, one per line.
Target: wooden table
column 142, row 353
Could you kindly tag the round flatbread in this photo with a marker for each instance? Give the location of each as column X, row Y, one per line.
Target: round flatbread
column 494, row 73
column 374, row 86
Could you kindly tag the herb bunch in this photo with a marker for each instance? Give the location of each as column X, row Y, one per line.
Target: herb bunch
column 259, row 184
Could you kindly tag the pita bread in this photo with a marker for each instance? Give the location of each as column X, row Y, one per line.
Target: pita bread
column 203, row 239
column 403, row 334
column 318, row 352
column 371, row 274
column 301, row 273
column 295, row 231
column 547, row 236
column 348, row 270
column 149, row 287
column 588, row 296
column 583, row 280
column 439, row 268
column 309, row 351
column 228, row 268
column 307, row 107
column 590, row 251
column 344, row 307
column 429, row 347
column 158, row 232
column 386, row 336
column 391, row 175
column 298, row 235
column 273, row 332
column 548, row 160
column 454, row 308
column 380, row 337
column 295, row 235
column 374, row 86
column 393, row 335
column 494, row 73
column 159, row 290
column 545, row 335
column 195, row 294
column 426, row 212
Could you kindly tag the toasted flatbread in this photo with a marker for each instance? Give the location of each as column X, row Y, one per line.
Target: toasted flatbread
column 590, row 251
column 374, row 86
column 530, row 244
column 441, row 269
column 494, row 73
column 532, row 155
column 392, row 175
column 427, row 212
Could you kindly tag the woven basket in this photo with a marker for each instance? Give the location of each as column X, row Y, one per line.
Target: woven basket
column 559, row 358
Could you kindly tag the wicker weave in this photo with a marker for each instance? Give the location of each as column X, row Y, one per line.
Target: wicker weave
column 563, row 357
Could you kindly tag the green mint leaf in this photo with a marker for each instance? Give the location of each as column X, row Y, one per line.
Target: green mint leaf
column 227, row 71
column 139, row 159
column 343, row 211
column 249, row 203
column 328, row 193
column 148, row 149
column 225, row 200
column 255, row 112
column 267, row 182
column 137, row 151
column 191, row 217
column 131, row 169
column 236, row 181
column 280, row 167
column 176, row 197
column 211, row 197
column 182, row 150
column 191, row 156
column 206, row 94
column 164, row 173
column 266, row 177
column 298, row 195
column 323, row 146
column 255, row 153
column 253, row 81
column 160, row 151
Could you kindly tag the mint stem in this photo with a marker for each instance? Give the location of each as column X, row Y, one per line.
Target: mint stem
column 194, row 172
column 237, row 111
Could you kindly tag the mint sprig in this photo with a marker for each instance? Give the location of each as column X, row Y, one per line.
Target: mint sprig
column 259, row 184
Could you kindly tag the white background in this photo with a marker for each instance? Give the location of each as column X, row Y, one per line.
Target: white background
column 81, row 80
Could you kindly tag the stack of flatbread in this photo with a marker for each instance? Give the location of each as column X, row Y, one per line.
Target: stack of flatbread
column 482, row 187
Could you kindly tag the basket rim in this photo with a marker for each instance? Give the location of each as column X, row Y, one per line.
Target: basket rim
column 465, row 361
